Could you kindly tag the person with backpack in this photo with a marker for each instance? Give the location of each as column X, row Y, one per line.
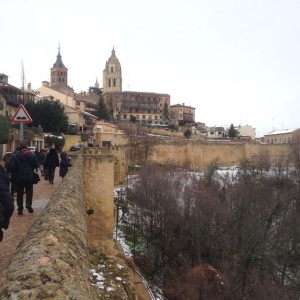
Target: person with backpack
column 22, row 166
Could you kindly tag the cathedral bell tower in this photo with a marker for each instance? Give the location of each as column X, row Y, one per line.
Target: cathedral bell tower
column 59, row 75
column 112, row 75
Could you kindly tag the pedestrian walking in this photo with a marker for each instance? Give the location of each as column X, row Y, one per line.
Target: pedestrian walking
column 13, row 189
column 22, row 166
column 6, row 201
column 41, row 160
column 51, row 162
column 64, row 164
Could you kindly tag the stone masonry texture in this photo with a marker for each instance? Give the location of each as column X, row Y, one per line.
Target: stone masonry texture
column 52, row 260
column 99, row 186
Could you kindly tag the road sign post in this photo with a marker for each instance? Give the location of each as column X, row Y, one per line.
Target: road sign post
column 21, row 116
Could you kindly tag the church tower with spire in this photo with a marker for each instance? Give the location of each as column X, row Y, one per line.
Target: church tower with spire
column 59, row 75
column 112, row 75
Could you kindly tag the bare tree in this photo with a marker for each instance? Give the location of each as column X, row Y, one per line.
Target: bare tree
column 23, row 77
column 247, row 229
column 142, row 141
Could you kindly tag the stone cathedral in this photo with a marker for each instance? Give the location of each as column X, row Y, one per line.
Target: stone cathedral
column 144, row 107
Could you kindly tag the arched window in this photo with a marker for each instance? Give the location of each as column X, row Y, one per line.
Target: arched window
column 109, row 82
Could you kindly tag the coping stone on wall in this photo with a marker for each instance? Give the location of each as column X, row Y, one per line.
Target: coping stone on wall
column 52, row 261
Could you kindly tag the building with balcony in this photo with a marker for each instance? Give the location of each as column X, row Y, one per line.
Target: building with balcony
column 182, row 114
column 145, row 108
column 10, row 99
column 10, row 95
column 85, row 121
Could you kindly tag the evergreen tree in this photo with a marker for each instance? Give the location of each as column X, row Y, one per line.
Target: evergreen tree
column 132, row 118
column 166, row 112
column 94, row 90
column 187, row 133
column 50, row 115
column 102, row 112
column 232, row 132
column 4, row 129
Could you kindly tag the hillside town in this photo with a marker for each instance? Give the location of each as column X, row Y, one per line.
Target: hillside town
column 147, row 108
column 210, row 213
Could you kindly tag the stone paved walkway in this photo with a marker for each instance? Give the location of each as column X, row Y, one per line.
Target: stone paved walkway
column 19, row 225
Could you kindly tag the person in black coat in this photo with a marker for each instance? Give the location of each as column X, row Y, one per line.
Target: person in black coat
column 51, row 162
column 22, row 165
column 64, row 164
column 6, row 202
column 41, row 156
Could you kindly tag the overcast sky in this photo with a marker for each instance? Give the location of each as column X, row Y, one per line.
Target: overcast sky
column 235, row 61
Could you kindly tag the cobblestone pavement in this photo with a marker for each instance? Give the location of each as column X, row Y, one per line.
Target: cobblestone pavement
column 19, row 225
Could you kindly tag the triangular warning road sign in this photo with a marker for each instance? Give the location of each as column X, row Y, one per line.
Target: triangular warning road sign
column 21, row 115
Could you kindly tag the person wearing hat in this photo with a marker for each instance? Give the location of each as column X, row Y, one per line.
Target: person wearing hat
column 22, row 166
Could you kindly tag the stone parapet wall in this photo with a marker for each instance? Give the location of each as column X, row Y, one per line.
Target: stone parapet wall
column 71, row 140
column 99, row 186
column 52, row 262
column 196, row 155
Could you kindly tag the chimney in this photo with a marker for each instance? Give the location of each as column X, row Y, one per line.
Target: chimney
column 29, row 87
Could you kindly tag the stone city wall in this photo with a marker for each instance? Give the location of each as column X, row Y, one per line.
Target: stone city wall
column 52, row 261
column 71, row 234
column 99, row 186
column 71, row 140
column 196, row 155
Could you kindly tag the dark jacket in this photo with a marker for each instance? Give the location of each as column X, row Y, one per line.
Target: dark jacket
column 6, row 201
column 64, row 164
column 52, row 159
column 4, row 181
column 41, row 158
column 22, row 165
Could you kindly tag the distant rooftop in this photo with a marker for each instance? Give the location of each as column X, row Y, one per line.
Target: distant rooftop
column 282, row 131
